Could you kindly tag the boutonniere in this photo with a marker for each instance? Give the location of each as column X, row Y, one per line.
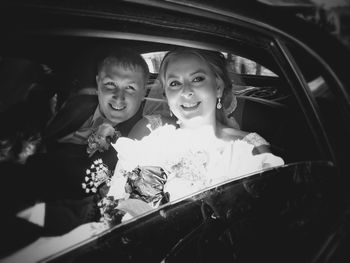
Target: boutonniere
column 101, row 139
column 96, row 175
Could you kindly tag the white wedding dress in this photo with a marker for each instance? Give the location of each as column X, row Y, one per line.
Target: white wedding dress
column 192, row 159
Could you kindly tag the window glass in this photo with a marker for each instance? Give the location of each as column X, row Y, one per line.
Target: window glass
column 153, row 60
column 241, row 65
column 237, row 64
column 242, row 72
column 318, row 80
column 326, row 94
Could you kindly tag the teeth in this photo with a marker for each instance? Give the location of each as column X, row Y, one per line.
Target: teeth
column 189, row 105
column 118, row 107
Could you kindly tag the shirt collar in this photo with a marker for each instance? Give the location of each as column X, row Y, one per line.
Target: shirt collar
column 123, row 127
column 98, row 118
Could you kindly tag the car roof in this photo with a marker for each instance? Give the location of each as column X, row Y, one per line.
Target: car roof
column 221, row 25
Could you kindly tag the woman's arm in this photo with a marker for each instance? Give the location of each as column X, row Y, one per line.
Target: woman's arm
column 260, row 144
column 262, row 149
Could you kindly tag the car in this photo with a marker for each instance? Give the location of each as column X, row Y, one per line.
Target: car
column 292, row 87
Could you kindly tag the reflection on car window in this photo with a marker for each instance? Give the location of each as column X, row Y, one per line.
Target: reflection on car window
column 318, row 81
column 241, row 71
column 237, row 64
column 318, row 86
column 241, row 65
column 153, row 60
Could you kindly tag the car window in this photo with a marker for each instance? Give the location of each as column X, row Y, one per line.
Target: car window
column 264, row 98
column 236, row 64
column 241, row 65
column 325, row 92
column 248, row 77
column 153, row 60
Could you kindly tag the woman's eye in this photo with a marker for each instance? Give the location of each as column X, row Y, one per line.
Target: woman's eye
column 174, row 83
column 198, row 79
column 131, row 88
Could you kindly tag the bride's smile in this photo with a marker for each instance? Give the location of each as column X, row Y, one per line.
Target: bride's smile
column 190, row 106
column 192, row 90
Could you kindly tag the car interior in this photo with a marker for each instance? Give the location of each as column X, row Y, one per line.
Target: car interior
column 66, row 65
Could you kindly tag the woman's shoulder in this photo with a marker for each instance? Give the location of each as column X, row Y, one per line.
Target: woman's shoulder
column 259, row 143
column 231, row 134
column 147, row 124
column 255, row 139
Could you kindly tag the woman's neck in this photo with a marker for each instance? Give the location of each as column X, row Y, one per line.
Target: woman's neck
column 208, row 127
column 197, row 123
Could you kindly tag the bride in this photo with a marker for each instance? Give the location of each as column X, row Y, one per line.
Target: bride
column 166, row 161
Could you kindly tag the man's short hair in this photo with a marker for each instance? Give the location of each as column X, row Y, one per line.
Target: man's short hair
column 126, row 58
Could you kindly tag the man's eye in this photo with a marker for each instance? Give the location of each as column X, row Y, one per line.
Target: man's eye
column 198, row 79
column 109, row 85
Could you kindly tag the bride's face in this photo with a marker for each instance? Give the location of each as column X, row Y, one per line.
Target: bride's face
column 192, row 90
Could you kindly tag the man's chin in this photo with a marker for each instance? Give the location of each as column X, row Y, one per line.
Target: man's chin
column 118, row 119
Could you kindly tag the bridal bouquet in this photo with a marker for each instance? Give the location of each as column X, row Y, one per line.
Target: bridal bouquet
column 188, row 161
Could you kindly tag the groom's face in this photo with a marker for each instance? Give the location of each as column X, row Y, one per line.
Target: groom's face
column 120, row 91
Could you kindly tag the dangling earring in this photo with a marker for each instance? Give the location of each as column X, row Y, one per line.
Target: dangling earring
column 219, row 105
column 171, row 114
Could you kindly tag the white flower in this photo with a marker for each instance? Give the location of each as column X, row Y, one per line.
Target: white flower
column 192, row 158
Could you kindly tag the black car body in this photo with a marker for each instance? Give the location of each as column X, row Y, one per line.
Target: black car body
column 295, row 213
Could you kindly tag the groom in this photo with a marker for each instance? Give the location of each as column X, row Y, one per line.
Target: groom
column 70, row 161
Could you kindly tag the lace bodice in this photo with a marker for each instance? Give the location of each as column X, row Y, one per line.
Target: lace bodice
column 255, row 139
column 190, row 162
